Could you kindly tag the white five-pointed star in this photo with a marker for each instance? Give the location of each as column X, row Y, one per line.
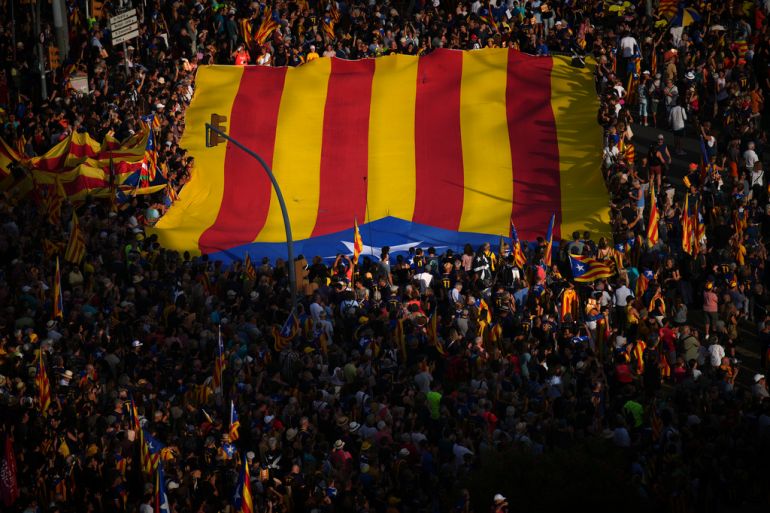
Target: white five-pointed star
column 579, row 267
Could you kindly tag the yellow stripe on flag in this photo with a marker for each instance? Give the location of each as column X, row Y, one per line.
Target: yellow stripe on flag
column 583, row 193
column 297, row 157
column 391, row 138
column 488, row 187
column 198, row 205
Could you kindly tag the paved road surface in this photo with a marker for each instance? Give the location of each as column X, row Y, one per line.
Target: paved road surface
column 747, row 347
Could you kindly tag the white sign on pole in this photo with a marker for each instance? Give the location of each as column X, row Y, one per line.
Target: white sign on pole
column 124, row 26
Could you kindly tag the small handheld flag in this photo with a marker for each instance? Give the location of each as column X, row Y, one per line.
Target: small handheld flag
column 251, row 272
column 161, row 499
column 76, row 247
column 242, row 502
column 286, row 334
column 686, row 227
column 518, row 255
column 652, row 225
column 43, row 386
column 549, row 241
column 234, row 422
column 358, row 243
column 219, row 363
column 58, row 301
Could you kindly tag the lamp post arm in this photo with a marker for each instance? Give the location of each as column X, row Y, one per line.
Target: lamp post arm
column 281, row 202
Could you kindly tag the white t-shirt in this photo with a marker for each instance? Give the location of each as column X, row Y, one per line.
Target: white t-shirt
column 315, row 311
column 627, row 45
column 677, row 117
column 423, row 381
column 425, row 278
column 460, row 452
column 716, row 353
column 622, row 295
column 750, row 158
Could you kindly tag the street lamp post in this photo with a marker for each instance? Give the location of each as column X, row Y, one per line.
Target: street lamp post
column 215, row 134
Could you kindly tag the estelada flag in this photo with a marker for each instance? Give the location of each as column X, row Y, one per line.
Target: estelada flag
column 518, row 255
column 586, row 269
column 443, row 149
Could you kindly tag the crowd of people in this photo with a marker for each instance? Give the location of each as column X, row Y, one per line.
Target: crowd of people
column 392, row 383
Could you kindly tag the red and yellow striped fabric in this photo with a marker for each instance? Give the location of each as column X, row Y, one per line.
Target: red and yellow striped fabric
column 652, row 225
column 76, row 247
column 43, row 386
column 457, row 141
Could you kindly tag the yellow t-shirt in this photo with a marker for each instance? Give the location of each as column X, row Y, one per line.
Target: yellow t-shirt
column 740, row 254
column 312, row 56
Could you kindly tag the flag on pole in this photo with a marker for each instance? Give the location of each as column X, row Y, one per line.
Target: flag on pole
column 686, row 226
column 54, row 200
column 43, row 385
column 150, row 452
column 587, row 269
column 358, row 243
column 643, row 281
column 549, row 242
column 518, row 255
column 652, row 225
column 161, row 499
column 248, row 265
column 286, row 333
column 76, row 247
column 242, row 502
column 219, row 363
column 234, row 422
column 58, row 300
column 266, row 28
column 133, row 415
column 334, row 12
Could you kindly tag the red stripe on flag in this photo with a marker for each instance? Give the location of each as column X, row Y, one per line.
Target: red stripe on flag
column 344, row 167
column 534, row 145
column 246, row 197
column 439, row 176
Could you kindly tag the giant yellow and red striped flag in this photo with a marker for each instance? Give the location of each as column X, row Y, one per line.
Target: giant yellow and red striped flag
column 43, row 385
column 443, row 149
column 652, row 225
column 76, row 247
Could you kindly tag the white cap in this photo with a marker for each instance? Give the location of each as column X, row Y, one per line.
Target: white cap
column 499, row 497
column 758, row 377
column 136, row 343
